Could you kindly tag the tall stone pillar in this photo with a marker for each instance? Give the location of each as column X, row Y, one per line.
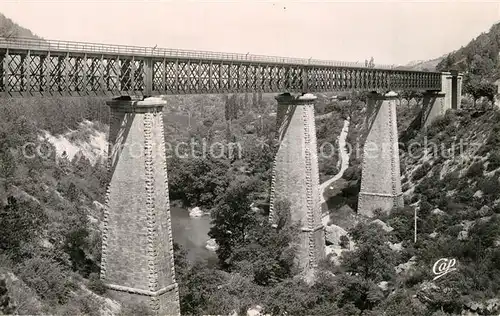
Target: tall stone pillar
column 459, row 89
column 380, row 177
column 447, row 89
column 456, row 89
column 137, row 254
column 296, row 177
column 433, row 107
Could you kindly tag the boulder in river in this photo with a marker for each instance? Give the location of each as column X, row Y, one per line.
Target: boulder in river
column 195, row 212
column 212, row 245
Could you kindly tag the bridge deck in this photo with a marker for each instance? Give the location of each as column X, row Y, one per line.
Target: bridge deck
column 30, row 67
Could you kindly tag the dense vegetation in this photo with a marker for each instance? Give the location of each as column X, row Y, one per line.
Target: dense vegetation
column 51, row 207
column 479, row 61
column 48, row 240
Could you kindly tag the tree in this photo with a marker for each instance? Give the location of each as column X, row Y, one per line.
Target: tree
column 372, row 259
column 260, row 102
column 50, row 279
column 199, row 290
column 400, row 303
column 21, row 222
column 198, row 181
column 245, row 101
column 231, row 220
column 477, row 87
column 268, row 252
column 370, row 263
column 448, row 63
column 409, row 94
column 6, row 306
column 363, row 293
column 231, row 107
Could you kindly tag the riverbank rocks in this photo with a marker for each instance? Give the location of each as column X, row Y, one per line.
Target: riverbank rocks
column 407, row 266
column 437, row 211
column 478, row 194
column 383, row 285
column 254, row 208
column 333, row 253
column 489, row 307
column 382, row 225
column 485, row 210
column 325, row 220
column 256, row 311
column 333, row 234
column 195, row 212
column 98, row 206
column 212, row 245
column 396, row 247
column 463, row 235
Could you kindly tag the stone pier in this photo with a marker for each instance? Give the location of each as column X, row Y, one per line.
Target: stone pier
column 296, row 177
column 456, row 89
column 451, row 86
column 433, row 106
column 380, row 177
column 137, row 254
column 436, row 103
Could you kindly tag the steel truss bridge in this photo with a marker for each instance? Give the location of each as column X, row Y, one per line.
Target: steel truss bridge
column 32, row 67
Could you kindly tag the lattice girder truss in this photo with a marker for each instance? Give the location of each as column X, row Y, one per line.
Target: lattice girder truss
column 31, row 72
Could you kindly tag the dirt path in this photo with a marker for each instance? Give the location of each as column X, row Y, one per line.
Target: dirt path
column 344, row 158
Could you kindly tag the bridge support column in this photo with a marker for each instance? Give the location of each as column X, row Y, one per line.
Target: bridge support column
column 433, row 107
column 456, row 89
column 380, row 177
column 451, row 86
column 296, row 177
column 2, row 66
column 137, row 254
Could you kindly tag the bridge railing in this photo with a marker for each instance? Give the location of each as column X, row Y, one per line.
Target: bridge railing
column 96, row 48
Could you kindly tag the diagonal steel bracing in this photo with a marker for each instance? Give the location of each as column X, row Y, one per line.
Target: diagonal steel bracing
column 36, row 67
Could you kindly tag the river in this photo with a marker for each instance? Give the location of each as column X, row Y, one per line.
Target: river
column 192, row 234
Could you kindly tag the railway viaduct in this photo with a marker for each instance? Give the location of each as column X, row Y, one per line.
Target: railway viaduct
column 137, row 256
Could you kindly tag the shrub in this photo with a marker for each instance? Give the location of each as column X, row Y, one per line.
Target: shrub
column 475, row 170
column 344, row 241
column 352, row 173
column 48, row 278
column 5, row 304
column 81, row 305
column 421, row 171
column 494, row 160
column 21, row 222
column 96, row 284
column 489, row 186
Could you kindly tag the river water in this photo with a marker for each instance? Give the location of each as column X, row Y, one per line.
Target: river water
column 191, row 234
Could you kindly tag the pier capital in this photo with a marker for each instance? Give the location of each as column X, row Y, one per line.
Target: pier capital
column 129, row 105
column 289, row 99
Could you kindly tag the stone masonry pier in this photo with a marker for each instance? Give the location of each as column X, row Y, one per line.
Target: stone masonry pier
column 137, row 254
column 296, row 177
column 436, row 103
column 380, row 177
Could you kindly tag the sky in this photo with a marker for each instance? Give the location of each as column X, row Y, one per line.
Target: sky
column 392, row 32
